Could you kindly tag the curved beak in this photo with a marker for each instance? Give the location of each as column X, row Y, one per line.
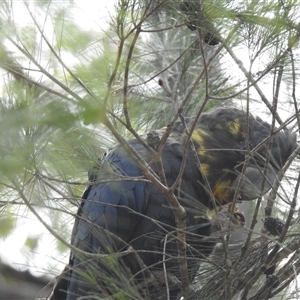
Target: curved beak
column 255, row 183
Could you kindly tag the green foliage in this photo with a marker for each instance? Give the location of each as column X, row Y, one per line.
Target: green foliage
column 28, row 38
column 7, row 223
column 70, row 36
column 32, row 243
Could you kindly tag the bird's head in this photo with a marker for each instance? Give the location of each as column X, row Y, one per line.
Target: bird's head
column 226, row 139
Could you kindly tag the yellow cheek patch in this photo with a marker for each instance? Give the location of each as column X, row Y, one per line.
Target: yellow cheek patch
column 234, row 126
column 221, row 190
column 202, row 153
column 205, row 169
column 198, row 136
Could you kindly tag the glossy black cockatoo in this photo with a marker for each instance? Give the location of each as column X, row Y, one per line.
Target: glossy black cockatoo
column 121, row 211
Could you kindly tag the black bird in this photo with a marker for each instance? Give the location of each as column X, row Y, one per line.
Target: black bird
column 121, row 211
